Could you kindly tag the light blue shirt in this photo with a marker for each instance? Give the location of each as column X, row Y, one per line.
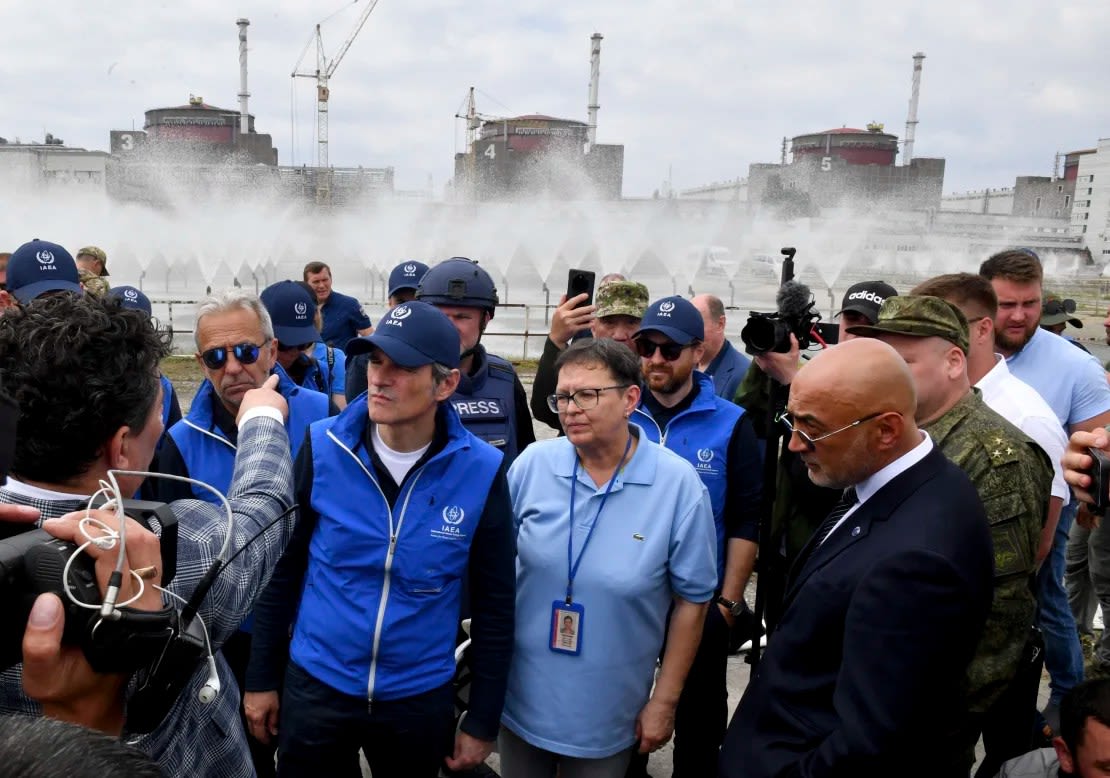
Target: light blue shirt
column 1071, row 381
column 654, row 540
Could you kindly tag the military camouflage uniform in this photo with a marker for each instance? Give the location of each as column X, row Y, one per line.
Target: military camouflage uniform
column 1013, row 476
column 94, row 284
column 621, row 298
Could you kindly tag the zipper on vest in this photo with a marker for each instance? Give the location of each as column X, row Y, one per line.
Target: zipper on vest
column 203, row 431
column 387, row 579
column 662, row 432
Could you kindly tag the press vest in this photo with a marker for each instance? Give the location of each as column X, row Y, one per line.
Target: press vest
column 210, row 456
column 700, row 435
column 378, row 616
column 486, row 403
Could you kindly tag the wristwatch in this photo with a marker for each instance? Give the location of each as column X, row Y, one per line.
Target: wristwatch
column 733, row 607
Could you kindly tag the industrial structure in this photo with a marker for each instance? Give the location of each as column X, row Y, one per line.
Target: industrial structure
column 845, row 167
column 196, row 147
column 322, row 75
column 849, row 167
column 538, row 156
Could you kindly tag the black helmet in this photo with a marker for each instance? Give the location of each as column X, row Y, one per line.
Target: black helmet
column 458, row 281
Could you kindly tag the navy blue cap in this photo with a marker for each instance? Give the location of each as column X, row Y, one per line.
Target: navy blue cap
column 406, row 275
column 412, row 334
column 675, row 317
column 130, row 297
column 293, row 311
column 39, row 267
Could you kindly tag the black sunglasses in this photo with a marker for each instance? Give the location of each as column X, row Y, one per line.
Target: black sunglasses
column 245, row 353
column 670, row 351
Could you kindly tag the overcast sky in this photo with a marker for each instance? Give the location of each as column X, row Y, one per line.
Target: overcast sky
column 700, row 87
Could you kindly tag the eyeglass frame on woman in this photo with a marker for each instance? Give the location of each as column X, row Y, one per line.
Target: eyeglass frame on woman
column 663, row 348
column 553, row 399
column 208, row 357
column 811, row 443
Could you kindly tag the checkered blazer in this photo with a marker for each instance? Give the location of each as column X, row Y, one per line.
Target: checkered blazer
column 207, row 741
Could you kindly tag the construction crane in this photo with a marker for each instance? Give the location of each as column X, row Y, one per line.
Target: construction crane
column 474, row 122
column 325, row 69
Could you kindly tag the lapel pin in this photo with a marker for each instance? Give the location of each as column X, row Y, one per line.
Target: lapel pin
column 637, row 536
column 855, row 532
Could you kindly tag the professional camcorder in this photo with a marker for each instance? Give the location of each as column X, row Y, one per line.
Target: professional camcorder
column 34, row 562
column 795, row 316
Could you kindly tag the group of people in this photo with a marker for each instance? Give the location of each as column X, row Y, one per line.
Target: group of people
column 387, row 487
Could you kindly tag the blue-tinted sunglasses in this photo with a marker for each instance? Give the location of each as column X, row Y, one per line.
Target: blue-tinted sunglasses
column 245, row 353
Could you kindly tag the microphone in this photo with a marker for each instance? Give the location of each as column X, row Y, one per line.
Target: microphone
column 794, row 300
column 211, row 688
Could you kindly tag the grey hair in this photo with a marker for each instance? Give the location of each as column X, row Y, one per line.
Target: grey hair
column 440, row 373
column 232, row 300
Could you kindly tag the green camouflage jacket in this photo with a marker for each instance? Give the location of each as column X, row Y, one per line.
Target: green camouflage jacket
column 1013, row 476
column 94, row 284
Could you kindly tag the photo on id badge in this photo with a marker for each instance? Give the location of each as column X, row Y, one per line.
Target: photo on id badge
column 566, row 627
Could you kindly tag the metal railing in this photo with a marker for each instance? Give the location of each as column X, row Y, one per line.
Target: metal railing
column 530, row 310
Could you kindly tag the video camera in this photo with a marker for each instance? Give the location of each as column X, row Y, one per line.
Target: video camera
column 34, row 562
column 795, row 316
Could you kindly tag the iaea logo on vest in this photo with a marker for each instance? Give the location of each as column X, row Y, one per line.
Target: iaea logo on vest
column 705, row 455
column 453, row 516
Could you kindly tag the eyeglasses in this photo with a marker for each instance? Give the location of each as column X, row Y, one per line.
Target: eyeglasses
column 245, row 353
column 585, row 399
column 786, row 419
column 670, row 351
column 285, row 347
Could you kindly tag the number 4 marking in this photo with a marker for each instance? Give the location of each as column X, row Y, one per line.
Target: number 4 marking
column 490, row 151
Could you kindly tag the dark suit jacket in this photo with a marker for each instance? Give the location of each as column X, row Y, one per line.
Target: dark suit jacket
column 865, row 674
column 728, row 369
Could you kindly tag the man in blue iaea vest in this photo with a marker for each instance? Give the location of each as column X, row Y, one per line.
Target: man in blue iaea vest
column 680, row 409
column 237, row 350
column 399, row 503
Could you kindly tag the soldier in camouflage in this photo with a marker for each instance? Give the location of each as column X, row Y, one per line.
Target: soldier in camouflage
column 616, row 312
column 1012, row 475
column 92, row 270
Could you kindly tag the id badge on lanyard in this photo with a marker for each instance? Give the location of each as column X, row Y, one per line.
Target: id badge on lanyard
column 566, row 627
column 568, row 617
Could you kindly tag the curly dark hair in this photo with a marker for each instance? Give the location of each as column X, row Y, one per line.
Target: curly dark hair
column 80, row 368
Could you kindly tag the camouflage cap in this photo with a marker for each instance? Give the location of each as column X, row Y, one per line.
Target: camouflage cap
column 95, row 253
column 921, row 316
column 621, row 298
column 1055, row 310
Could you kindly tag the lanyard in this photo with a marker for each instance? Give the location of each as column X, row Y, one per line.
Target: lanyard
column 572, row 564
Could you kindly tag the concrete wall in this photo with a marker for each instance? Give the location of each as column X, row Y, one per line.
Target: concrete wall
column 1090, row 215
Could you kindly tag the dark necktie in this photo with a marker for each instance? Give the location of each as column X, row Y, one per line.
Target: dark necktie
column 847, row 500
column 829, row 524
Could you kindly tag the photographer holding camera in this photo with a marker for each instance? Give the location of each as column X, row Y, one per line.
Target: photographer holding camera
column 799, row 504
column 84, row 373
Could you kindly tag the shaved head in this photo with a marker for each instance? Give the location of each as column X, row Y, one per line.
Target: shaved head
column 861, row 374
column 860, row 394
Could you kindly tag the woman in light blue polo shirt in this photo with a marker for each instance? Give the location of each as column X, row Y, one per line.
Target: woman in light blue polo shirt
column 611, row 529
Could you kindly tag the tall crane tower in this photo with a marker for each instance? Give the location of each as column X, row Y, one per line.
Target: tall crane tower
column 325, row 69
